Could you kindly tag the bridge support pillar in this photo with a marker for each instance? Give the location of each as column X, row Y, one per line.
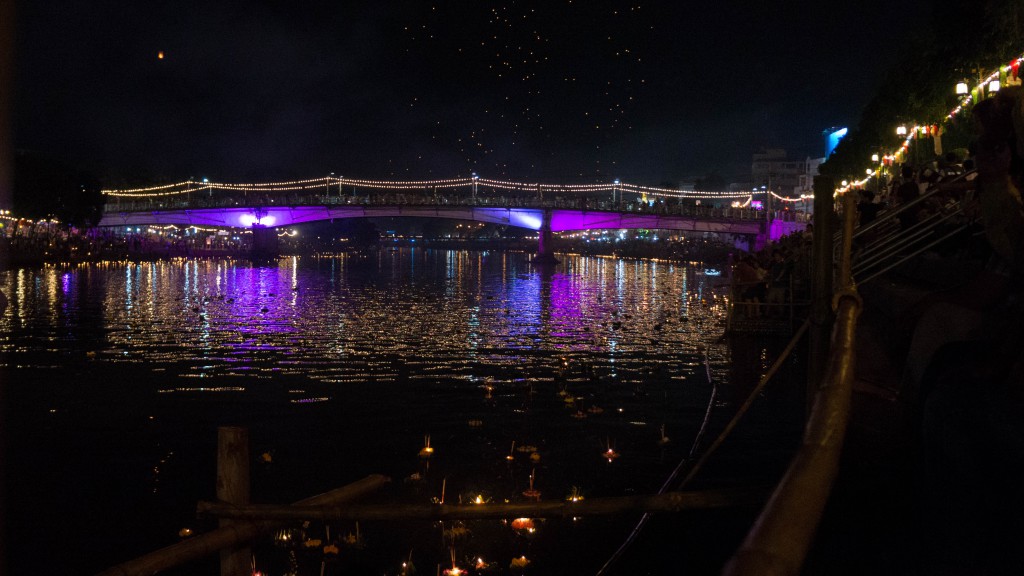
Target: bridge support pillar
column 545, row 250
column 763, row 237
column 264, row 243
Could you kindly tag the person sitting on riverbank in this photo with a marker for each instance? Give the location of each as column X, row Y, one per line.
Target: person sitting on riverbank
column 906, row 192
column 748, row 285
column 778, row 281
column 973, row 390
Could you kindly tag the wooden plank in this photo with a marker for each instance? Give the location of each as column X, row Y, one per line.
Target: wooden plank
column 211, row 542
column 668, row 502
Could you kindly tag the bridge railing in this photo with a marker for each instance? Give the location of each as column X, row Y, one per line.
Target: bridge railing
column 202, row 199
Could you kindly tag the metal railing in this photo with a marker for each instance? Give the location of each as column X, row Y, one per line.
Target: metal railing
column 887, row 242
column 782, row 535
column 200, row 200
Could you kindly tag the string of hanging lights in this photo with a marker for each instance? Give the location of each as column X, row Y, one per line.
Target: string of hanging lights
column 988, row 84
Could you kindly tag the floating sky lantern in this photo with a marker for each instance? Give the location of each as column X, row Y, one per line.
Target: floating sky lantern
column 519, row 563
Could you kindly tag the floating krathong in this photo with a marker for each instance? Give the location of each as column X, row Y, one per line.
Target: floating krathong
column 610, row 453
column 426, row 451
column 664, row 439
column 532, row 493
column 524, row 525
column 575, row 495
column 454, row 570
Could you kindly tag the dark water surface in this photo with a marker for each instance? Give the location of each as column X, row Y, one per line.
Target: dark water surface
column 116, row 377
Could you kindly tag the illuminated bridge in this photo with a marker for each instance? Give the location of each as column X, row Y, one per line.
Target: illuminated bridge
column 541, row 207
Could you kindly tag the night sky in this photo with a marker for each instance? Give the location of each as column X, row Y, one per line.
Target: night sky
column 554, row 91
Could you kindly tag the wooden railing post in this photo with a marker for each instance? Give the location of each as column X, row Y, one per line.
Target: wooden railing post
column 233, row 488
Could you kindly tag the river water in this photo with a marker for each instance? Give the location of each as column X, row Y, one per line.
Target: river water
column 117, row 375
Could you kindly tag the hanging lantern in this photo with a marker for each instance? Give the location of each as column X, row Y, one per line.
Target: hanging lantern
column 874, row 157
column 901, row 130
column 961, row 88
column 993, row 86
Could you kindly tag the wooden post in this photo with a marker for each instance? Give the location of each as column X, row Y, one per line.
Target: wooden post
column 821, row 285
column 233, row 488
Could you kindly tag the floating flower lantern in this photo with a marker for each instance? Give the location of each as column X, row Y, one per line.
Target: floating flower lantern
column 532, row 493
column 454, row 570
column 575, row 495
column 354, row 540
column 426, row 451
column 610, row 453
column 458, row 531
column 535, row 457
column 664, row 439
column 524, row 525
column 511, row 452
column 595, row 409
column 519, row 563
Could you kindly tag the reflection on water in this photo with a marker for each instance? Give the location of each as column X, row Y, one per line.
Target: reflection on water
column 120, row 373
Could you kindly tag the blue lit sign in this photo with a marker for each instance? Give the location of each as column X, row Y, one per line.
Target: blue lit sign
column 832, row 139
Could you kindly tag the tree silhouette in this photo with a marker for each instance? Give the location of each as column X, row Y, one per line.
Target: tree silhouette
column 47, row 188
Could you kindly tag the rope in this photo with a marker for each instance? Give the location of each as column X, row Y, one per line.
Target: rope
column 700, row 435
column 671, row 478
